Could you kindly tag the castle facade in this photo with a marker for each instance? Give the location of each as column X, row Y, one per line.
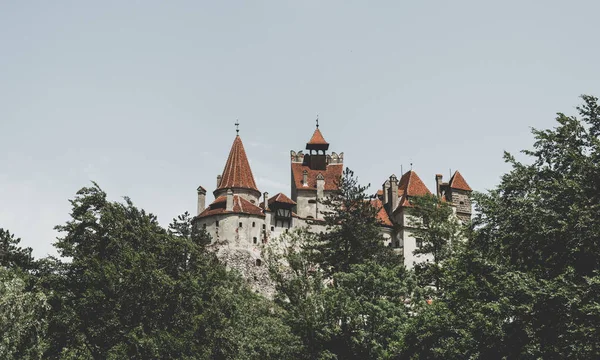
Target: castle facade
column 242, row 219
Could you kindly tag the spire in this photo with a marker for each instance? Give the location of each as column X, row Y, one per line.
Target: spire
column 317, row 141
column 237, row 172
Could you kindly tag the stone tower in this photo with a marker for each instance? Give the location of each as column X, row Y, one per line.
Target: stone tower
column 314, row 176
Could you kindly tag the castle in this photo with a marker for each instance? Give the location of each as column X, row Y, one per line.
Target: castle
column 241, row 218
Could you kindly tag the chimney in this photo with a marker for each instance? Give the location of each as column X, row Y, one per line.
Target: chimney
column 218, row 181
column 229, row 203
column 320, row 185
column 305, row 178
column 266, row 201
column 386, row 192
column 201, row 199
column 438, row 184
column 320, row 189
column 393, row 193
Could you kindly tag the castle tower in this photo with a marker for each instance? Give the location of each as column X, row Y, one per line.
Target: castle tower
column 459, row 193
column 237, row 175
column 314, row 176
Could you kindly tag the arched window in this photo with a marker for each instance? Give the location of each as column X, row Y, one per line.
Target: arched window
column 258, row 262
column 254, row 240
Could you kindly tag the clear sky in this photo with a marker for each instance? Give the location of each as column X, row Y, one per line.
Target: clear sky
column 141, row 96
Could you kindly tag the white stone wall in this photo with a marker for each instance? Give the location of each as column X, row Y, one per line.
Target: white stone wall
column 229, row 229
column 409, row 246
column 305, row 205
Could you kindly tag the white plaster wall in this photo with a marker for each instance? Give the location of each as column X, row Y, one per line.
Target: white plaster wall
column 303, row 207
column 229, row 230
column 409, row 246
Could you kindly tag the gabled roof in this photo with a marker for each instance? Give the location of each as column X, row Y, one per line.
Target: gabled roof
column 317, row 138
column 382, row 215
column 237, row 172
column 282, row 199
column 240, row 206
column 412, row 184
column 331, row 174
column 458, row 182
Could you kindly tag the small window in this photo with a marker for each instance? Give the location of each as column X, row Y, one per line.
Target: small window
column 253, row 224
column 264, row 226
column 462, row 202
column 419, row 243
column 204, row 226
column 287, row 230
column 254, row 240
column 258, row 262
column 240, row 225
column 312, row 201
column 217, row 223
column 272, row 228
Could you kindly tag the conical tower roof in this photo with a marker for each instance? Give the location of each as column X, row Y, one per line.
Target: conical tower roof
column 317, row 141
column 237, row 172
column 317, row 138
column 458, row 182
column 412, row 185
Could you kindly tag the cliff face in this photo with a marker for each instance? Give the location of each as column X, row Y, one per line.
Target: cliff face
column 249, row 264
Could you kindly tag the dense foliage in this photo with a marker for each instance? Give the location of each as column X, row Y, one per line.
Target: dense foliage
column 521, row 281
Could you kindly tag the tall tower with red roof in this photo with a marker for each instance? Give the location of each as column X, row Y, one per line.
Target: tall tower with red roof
column 314, row 175
column 237, row 175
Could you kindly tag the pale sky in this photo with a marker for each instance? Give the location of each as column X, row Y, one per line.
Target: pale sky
column 141, row 96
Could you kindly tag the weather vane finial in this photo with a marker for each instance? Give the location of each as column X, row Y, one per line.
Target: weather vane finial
column 237, row 127
column 317, row 121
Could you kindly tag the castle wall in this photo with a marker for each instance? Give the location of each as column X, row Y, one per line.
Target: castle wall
column 409, row 246
column 229, row 229
column 306, row 203
column 462, row 201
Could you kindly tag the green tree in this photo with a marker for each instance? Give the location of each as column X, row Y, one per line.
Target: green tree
column 526, row 283
column 343, row 292
column 358, row 314
column 135, row 290
column 353, row 233
column 12, row 255
column 22, row 318
column 434, row 224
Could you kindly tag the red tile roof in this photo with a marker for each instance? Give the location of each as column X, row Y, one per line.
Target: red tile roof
column 317, row 138
column 281, row 198
column 458, row 182
column 240, row 206
column 412, row 184
column 237, row 172
column 382, row 215
column 332, row 175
